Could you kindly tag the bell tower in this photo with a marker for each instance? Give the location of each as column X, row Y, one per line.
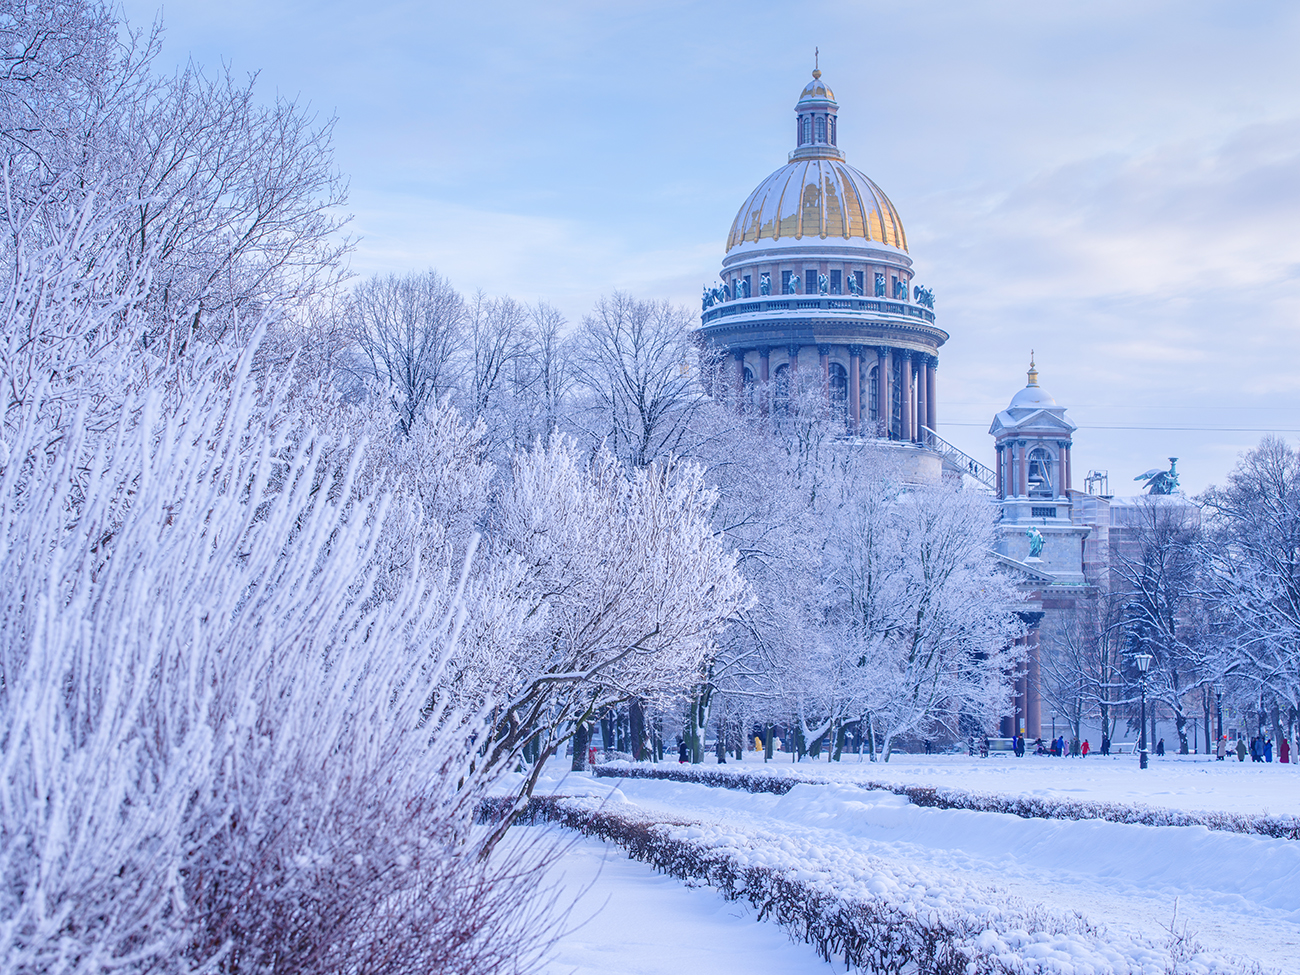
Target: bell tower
column 1033, row 439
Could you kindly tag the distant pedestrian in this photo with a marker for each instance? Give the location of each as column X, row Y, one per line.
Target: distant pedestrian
column 1221, row 749
column 682, row 757
column 1284, row 752
column 1241, row 749
column 984, row 747
column 1256, row 749
column 1085, row 748
column 928, row 747
column 1105, row 744
column 1160, row 747
column 1268, row 749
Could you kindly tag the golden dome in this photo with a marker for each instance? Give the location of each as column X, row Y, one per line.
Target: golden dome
column 823, row 198
column 817, row 89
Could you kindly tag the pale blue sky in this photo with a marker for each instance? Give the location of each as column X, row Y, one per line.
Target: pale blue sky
column 1113, row 184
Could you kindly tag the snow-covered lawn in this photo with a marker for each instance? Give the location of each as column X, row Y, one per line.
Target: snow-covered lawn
column 1190, row 783
column 1238, row 895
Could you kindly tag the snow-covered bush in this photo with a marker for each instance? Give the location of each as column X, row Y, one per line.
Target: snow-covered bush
column 219, row 753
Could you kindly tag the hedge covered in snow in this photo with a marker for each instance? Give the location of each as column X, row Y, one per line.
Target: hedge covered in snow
column 872, row 914
column 1026, row 807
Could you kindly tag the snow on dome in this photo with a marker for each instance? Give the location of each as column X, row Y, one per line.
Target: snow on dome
column 1033, row 396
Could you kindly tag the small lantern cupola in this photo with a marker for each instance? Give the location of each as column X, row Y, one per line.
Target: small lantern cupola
column 815, row 129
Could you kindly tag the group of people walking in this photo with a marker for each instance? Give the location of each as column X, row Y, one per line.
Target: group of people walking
column 1260, row 749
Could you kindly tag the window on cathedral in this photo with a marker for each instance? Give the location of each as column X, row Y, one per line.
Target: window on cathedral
column 746, row 291
column 839, row 391
column 806, row 137
column 836, row 282
column 821, row 128
column 810, row 281
column 832, row 125
column 873, row 397
column 785, row 282
column 1042, row 512
column 858, row 279
column 781, row 390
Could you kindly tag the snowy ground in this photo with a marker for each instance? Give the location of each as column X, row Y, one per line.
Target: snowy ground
column 631, row 920
column 1190, row 783
column 1237, row 894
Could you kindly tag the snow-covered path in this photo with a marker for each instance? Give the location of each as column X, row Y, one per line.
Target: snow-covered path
column 632, row 920
column 1237, row 894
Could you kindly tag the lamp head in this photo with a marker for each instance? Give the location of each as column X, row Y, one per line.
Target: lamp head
column 1143, row 661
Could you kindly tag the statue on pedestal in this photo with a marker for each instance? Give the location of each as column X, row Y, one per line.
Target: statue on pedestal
column 1035, row 542
column 1161, row 482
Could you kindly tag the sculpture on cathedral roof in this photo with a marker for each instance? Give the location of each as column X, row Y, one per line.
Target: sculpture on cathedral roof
column 1161, row 482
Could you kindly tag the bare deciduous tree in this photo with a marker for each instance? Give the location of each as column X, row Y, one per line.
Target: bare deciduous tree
column 408, row 329
column 638, row 363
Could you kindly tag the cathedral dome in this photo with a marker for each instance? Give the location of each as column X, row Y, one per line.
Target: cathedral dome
column 823, row 198
column 817, row 194
column 1033, row 396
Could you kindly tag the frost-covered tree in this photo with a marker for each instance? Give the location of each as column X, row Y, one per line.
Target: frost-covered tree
column 626, row 587
column 1254, row 591
column 920, row 621
column 229, row 201
column 1159, row 576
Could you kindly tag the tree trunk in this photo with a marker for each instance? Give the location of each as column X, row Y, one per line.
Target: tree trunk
column 767, row 743
column 581, row 736
column 636, row 728
column 607, row 732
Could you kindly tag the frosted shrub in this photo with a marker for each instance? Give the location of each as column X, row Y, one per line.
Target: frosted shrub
column 219, row 753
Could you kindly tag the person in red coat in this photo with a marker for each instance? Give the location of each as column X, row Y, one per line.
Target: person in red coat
column 1284, row 752
column 1085, row 748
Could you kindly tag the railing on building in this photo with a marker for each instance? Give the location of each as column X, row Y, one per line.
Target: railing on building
column 958, row 460
column 746, row 306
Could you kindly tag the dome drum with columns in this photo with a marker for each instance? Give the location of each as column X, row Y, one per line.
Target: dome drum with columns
column 818, row 291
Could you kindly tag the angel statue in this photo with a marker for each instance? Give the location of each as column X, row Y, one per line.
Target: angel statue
column 1161, row 482
column 924, row 296
column 1035, row 542
column 793, row 287
column 765, row 284
column 707, row 300
column 854, row 287
column 822, row 283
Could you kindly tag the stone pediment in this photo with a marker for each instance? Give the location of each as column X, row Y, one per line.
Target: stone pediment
column 1032, row 421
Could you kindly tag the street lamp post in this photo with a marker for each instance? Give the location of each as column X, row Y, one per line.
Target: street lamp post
column 1218, row 714
column 1143, row 661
